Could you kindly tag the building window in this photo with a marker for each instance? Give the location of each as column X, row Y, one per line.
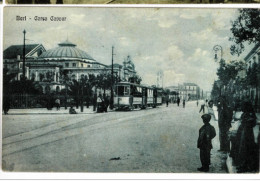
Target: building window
column 20, row 65
column 74, row 64
column 66, row 64
column 82, row 65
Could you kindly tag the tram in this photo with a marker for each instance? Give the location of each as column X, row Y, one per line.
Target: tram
column 128, row 96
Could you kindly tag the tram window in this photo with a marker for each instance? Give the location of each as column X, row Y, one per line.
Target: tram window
column 136, row 91
column 120, row 90
column 127, row 90
column 123, row 90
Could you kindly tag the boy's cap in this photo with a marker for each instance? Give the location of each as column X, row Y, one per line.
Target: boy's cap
column 206, row 117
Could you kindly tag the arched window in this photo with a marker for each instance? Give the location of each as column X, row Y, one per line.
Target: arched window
column 82, row 76
column 73, row 77
column 47, row 89
column 32, row 76
column 58, row 89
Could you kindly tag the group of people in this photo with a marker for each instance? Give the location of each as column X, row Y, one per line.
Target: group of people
column 243, row 147
column 244, row 150
column 102, row 103
column 183, row 102
column 177, row 101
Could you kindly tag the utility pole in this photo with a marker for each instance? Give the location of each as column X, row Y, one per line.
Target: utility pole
column 24, row 32
column 112, row 81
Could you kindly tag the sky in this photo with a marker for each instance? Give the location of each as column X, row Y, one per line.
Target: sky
column 177, row 41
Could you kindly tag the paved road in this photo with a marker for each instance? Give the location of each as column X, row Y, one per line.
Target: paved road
column 152, row 140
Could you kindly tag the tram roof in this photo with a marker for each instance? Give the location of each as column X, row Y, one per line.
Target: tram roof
column 129, row 83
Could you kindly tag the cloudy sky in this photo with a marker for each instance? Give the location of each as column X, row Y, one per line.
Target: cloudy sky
column 177, row 41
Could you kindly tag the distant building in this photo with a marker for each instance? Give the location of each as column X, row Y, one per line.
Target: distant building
column 49, row 67
column 189, row 91
column 123, row 72
column 13, row 57
column 173, row 88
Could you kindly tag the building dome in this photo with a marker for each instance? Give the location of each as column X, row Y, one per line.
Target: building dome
column 66, row 50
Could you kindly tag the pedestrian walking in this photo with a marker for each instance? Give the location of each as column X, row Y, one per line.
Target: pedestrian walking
column 178, row 101
column 167, row 101
column 106, row 102
column 94, row 102
column 202, row 107
column 183, row 103
column 197, row 103
column 100, row 104
column 248, row 153
column 57, row 102
column 206, row 133
column 6, row 105
column 87, row 101
column 210, row 103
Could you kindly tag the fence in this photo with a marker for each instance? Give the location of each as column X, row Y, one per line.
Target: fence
column 18, row 101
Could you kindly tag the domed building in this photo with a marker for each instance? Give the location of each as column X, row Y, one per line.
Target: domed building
column 64, row 58
column 48, row 66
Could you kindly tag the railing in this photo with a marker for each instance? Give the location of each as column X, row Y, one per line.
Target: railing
column 18, row 101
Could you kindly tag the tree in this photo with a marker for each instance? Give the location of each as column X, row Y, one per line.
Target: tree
column 135, row 79
column 246, row 28
column 228, row 71
column 7, row 78
column 215, row 92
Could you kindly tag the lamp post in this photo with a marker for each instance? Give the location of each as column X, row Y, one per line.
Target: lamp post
column 82, row 94
column 217, row 48
column 112, row 81
column 24, row 32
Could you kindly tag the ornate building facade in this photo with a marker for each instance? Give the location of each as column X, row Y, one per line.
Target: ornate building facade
column 48, row 66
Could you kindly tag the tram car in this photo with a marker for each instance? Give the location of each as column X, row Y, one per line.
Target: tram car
column 129, row 96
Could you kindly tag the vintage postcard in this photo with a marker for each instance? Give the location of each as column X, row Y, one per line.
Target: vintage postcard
column 130, row 1
column 132, row 90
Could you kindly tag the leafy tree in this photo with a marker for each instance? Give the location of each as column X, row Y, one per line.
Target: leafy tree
column 7, row 78
column 135, row 79
column 246, row 28
column 215, row 92
column 228, row 71
column 11, row 86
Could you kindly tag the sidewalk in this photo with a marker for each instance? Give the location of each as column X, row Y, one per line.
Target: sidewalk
column 62, row 110
column 229, row 162
column 218, row 159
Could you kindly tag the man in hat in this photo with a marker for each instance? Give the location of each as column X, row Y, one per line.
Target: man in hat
column 206, row 133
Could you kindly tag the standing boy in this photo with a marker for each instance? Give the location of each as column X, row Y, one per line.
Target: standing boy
column 206, row 134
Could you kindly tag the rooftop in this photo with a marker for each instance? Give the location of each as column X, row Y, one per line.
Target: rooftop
column 14, row 50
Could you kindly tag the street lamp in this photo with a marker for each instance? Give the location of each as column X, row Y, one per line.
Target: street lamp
column 217, row 48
